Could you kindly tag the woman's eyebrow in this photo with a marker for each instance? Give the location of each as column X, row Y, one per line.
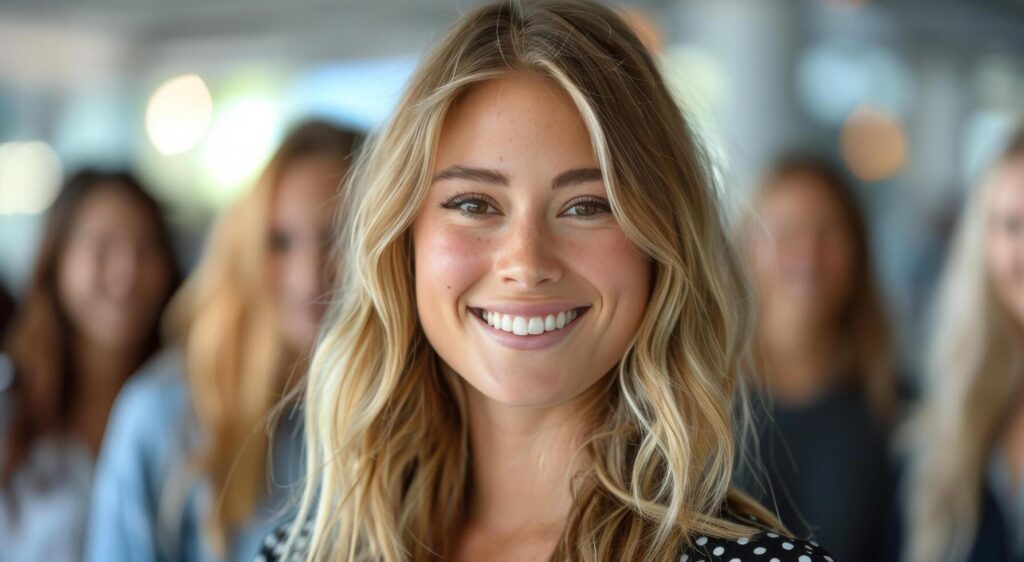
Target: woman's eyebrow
column 482, row 175
column 577, row 176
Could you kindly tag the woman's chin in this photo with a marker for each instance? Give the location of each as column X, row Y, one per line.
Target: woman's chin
column 527, row 388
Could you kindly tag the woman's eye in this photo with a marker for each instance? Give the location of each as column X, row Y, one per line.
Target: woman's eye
column 474, row 207
column 588, row 208
column 470, row 206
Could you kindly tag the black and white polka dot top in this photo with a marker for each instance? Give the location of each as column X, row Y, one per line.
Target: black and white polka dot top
column 765, row 546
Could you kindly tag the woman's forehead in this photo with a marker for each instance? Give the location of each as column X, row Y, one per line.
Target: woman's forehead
column 517, row 120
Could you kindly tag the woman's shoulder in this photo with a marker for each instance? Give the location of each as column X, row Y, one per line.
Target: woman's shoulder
column 159, row 387
column 765, row 545
column 150, row 408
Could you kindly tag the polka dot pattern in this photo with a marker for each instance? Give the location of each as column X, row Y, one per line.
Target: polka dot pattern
column 762, row 547
column 273, row 547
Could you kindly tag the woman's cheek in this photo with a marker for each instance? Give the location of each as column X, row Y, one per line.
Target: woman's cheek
column 611, row 263
column 449, row 260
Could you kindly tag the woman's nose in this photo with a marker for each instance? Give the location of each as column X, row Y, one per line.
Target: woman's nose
column 528, row 257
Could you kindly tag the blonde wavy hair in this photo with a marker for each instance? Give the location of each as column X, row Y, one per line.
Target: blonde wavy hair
column 975, row 366
column 387, row 449
column 225, row 318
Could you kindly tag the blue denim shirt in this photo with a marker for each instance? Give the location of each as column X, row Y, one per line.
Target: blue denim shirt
column 44, row 507
column 148, row 505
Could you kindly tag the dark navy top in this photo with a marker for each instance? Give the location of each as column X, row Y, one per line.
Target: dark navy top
column 992, row 541
column 825, row 468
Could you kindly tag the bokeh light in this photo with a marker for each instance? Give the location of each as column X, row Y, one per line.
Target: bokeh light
column 873, row 144
column 30, row 176
column 240, row 141
column 178, row 114
column 835, row 77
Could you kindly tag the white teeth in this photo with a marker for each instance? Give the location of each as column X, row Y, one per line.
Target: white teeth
column 534, row 325
column 519, row 326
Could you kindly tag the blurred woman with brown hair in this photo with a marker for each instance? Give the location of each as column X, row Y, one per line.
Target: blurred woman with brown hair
column 823, row 352
column 964, row 487
column 184, row 473
column 104, row 272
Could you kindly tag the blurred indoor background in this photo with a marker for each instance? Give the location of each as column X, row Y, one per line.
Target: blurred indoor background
column 912, row 96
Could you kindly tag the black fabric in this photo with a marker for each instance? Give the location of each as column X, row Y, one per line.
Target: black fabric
column 991, row 542
column 826, row 470
column 765, row 546
column 6, row 312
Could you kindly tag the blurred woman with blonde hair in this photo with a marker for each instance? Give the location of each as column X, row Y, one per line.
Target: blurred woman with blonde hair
column 537, row 341
column 184, row 472
column 964, row 486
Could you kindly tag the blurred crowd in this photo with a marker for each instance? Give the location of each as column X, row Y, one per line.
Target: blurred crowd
column 150, row 413
column 149, row 418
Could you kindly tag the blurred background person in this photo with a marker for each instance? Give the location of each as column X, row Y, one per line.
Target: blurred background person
column 822, row 351
column 911, row 99
column 184, row 474
column 908, row 97
column 964, row 490
column 104, row 272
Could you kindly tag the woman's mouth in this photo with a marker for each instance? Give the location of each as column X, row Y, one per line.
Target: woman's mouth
column 529, row 325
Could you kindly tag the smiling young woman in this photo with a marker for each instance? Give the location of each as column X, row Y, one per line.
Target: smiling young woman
column 536, row 346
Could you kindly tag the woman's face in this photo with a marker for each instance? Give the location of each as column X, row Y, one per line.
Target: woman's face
column 113, row 273
column 802, row 253
column 301, row 214
column 1005, row 241
column 526, row 286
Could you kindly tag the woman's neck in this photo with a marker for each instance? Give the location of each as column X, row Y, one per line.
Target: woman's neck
column 99, row 373
column 801, row 359
column 522, row 462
